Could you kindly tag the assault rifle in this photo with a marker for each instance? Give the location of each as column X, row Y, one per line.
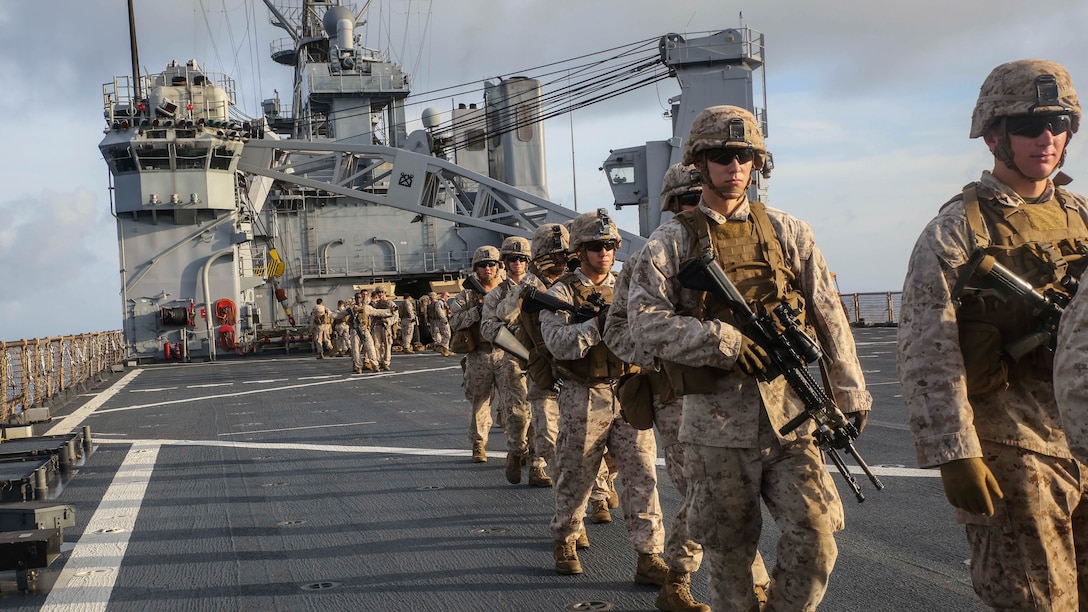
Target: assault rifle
column 534, row 301
column 1046, row 307
column 505, row 339
column 789, row 351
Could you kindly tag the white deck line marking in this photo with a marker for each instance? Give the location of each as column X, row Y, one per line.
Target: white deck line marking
column 73, row 420
column 267, row 380
column 887, row 382
column 90, row 573
column 876, row 343
column 319, row 377
column 283, row 388
column 151, row 390
column 879, row 470
column 246, row 433
column 209, row 385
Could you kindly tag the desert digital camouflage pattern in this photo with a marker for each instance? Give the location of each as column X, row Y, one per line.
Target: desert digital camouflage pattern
column 1026, row 554
column 734, row 455
column 590, row 421
column 1071, row 374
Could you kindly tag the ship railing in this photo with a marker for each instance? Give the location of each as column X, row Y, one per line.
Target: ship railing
column 119, row 97
column 876, row 309
column 384, row 265
column 35, row 373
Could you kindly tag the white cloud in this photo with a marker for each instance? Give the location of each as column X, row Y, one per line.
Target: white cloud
column 868, row 111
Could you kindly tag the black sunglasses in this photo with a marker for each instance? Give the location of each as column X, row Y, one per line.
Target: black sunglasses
column 689, row 199
column 726, row 155
column 520, row 258
column 487, row 264
column 1033, row 127
column 601, row 245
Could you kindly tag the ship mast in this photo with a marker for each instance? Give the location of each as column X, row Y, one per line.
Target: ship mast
column 137, row 94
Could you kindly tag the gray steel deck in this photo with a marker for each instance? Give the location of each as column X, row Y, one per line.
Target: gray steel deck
column 286, row 483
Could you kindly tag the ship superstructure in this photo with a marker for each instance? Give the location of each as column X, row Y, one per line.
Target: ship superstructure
column 230, row 228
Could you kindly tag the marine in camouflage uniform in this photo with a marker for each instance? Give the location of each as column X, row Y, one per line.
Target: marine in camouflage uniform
column 340, row 330
column 482, row 364
column 382, row 328
column 681, row 190
column 501, row 312
column 981, row 401
column 321, row 318
column 733, row 453
column 589, row 414
column 407, row 323
column 363, row 355
column 440, row 323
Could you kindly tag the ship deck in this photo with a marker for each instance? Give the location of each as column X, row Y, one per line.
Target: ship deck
column 287, row 483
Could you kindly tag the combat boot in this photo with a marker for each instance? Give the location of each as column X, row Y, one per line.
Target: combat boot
column 583, row 539
column 566, row 559
column 539, row 478
column 447, row 353
column 675, row 595
column 513, row 467
column 600, row 512
column 613, row 497
column 479, row 455
column 356, row 370
column 650, row 570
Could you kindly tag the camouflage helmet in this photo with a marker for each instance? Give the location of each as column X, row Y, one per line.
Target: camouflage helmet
column 1025, row 88
column 679, row 179
column 485, row 253
column 550, row 238
column 515, row 245
column 593, row 226
column 725, row 126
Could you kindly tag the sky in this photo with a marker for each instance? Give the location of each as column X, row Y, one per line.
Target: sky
column 869, row 108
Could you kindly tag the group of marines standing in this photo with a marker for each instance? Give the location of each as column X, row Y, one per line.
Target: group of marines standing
column 366, row 327
column 995, row 401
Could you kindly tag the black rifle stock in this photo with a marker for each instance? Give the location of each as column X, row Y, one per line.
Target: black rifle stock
column 534, row 301
column 1048, row 307
column 788, row 351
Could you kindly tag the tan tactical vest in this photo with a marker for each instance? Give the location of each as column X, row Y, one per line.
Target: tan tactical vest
column 1041, row 243
column 360, row 315
column 539, row 368
column 751, row 256
column 599, row 363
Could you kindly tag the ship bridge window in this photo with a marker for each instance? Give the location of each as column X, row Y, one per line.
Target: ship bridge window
column 619, row 175
column 477, row 138
column 154, row 157
column 191, row 157
column 221, row 158
column 525, row 122
column 120, row 158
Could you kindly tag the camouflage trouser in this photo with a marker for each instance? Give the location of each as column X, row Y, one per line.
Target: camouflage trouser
column 441, row 334
column 510, row 382
column 407, row 332
column 383, row 343
column 362, row 348
column 590, row 422
column 725, row 486
column 340, row 337
column 683, row 554
column 323, row 339
column 544, row 407
column 1032, row 553
column 481, row 367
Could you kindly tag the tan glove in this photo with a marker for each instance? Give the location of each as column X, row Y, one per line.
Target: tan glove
column 969, row 485
column 752, row 358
